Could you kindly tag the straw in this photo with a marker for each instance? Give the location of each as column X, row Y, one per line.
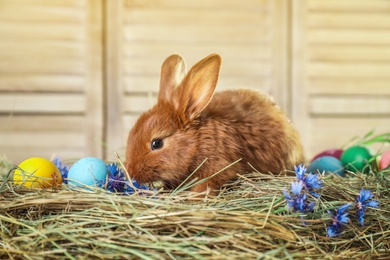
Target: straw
column 248, row 219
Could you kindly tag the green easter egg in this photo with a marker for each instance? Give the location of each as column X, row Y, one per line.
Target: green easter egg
column 356, row 158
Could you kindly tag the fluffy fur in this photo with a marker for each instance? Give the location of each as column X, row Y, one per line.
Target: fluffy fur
column 195, row 124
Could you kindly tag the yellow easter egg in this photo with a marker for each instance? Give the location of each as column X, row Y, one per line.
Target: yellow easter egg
column 37, row 173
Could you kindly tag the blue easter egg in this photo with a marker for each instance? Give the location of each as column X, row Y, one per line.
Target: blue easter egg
column 89, row 171
column 326, row 164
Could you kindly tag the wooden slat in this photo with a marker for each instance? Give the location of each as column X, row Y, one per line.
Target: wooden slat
column 41, row 47
column 348, row 85
column 42, row 103
column 154, row 16
column 351, row 53
column 349, row 105
column 40, row 13
column 192, row 52
column 49, row 65
column 350, row 69
column 19, row 31
column 197, row 34
column 33, row 123
column 349, row 20
column 343, row 36
column 74, row 3
column 43, row 139
column 42, row 82
column 250, row 5
column 377, row 6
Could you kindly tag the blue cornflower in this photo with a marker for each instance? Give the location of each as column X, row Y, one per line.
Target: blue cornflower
column 362, row 202
column 129, row 188
column 116, row 178
column 339, row 219
column 310, row 182
column 300, row 171
column 297, row 201
column 63, row 168
column 117, row 182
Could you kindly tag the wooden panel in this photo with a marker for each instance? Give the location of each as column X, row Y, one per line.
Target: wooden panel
column 350, row 20
column 252, row 51
column 351, row 53
column 349, row 105
column 250, row 5
column 345, row 6
column 50, row 81
column 56, row 3
column 37, row 103
column 198, row 16
column 349, row 69
column 41, row 65
column 13, row 11
column 348, row 85
column 45, row 48
column 42, row 82
column 345, row 36
column 341, row 64
column 43, row 139
column 41, row 123
column 197, row 33
column 19, row 31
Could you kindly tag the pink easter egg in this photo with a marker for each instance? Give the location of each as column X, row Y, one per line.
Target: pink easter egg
column 385, row 160
column 330, row 152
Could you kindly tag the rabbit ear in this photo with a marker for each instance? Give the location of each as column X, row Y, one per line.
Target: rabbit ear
column 173, row 71
column 197, row 88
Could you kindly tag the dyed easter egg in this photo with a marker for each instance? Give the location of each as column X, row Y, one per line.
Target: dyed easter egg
column 385, row 160
column 331, row 152
column 89, row 171
column 326, row 164
column 37, row 173
column 356, row 158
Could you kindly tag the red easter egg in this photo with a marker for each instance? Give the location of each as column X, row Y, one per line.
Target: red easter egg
column 331, row 152
column 385, row 160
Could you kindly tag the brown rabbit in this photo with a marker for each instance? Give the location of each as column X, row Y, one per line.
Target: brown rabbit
column 189, row 124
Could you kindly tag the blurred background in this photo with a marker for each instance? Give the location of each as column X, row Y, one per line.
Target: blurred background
column 76, row 74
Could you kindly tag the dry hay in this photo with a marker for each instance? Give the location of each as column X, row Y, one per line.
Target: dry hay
column 248, row 220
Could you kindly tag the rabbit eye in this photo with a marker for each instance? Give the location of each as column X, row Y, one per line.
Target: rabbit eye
column 157, row 144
